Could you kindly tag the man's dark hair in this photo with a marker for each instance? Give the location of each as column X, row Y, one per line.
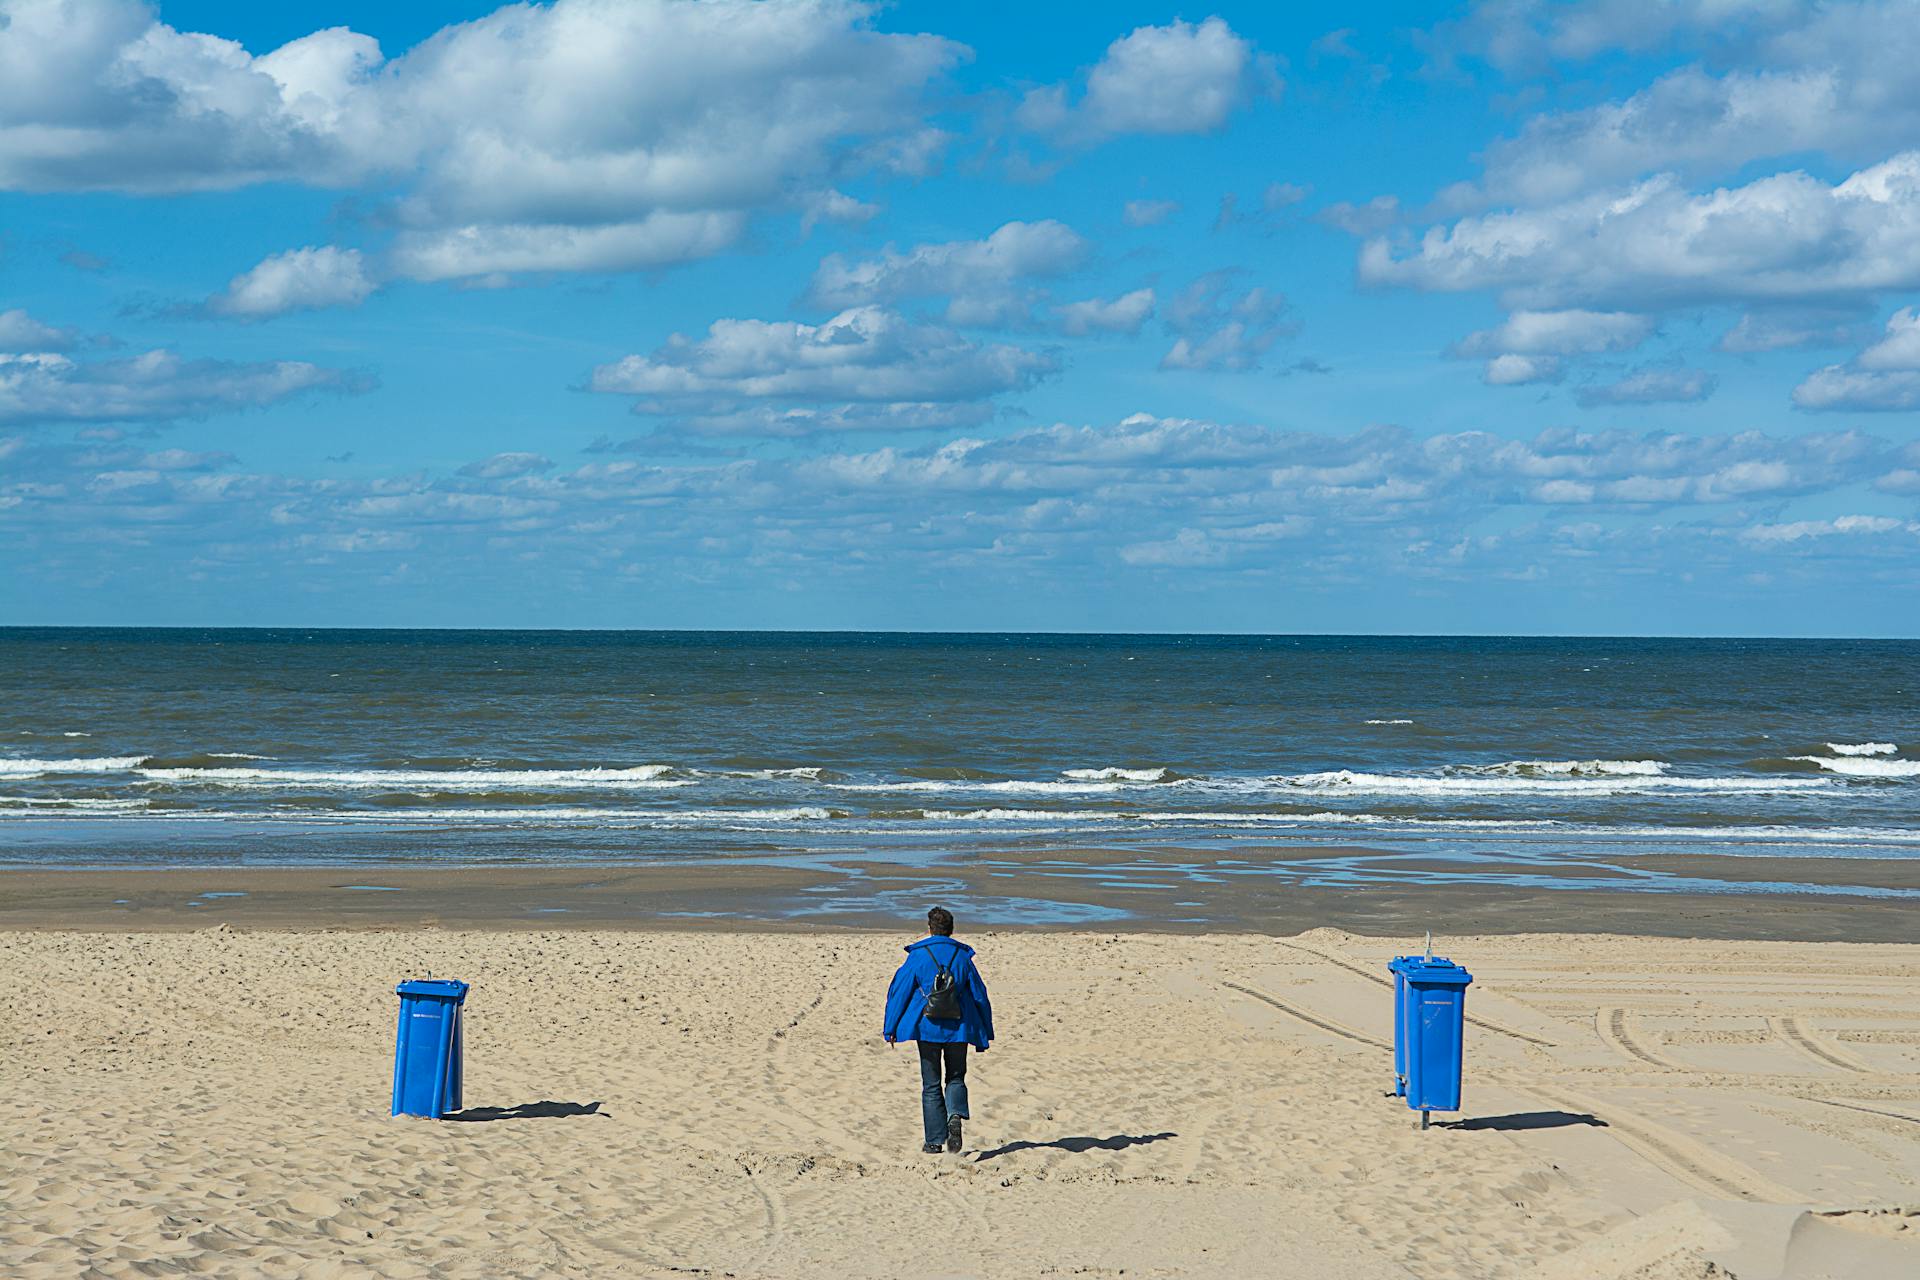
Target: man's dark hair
column 940, row 922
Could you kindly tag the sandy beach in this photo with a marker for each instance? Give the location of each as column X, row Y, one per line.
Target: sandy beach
column 655, row 1103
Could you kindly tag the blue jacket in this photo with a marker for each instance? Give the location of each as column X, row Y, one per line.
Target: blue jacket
column 907, row 997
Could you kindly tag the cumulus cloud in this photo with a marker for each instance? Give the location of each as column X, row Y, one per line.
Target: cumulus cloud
column 582, row 135
column 657, row 240
column 1512, row 370
column 1651, row 386
column 1124, row 314
column 1781, row 329
column 299, row 279
column 1900, row 349
column 1180, row 78
column 1787, row 237
column 1222, row 328
column 1558, row 333
column 155, row 387
column 1368, row 219
column 1149, row 213
column 506, row 466
column 982, row 278
column 1883, row 378
column 1840, row 526
column 1035, row 511
column 20, row 332
column 864, row 356
column 1837, row 388
column 1829, row 78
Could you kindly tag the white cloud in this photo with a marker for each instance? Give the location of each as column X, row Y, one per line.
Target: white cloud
column 980, row 275
column 1220, row 328
column 1832, row 78
column 1840, row 526
column 1780, row 329
column 1523, row 35
column 865, row 355
column 1124, row 314
column 1558, row 333
column 1837, row 388
column 155, row 387
column 507, row 466
column 1037, row 511
column 1651, row 386
column 835, row 206
column 1900, row 349
column 20, row 332
column 1511, row 370
column 1883, row 378
column 1185, row 549
column 1786, row 237
column 1180, row 78
column 1368, row 219
column 295, row 280
column 535, row 138
column 657, row 240
column 1149, row 213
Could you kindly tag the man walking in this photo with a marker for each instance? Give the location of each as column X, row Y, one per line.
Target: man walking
column 938, row 999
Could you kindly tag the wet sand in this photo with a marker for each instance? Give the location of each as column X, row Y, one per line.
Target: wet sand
column 1280, row 891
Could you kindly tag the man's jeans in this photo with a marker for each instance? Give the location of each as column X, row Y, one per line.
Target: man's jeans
column 936, row 1106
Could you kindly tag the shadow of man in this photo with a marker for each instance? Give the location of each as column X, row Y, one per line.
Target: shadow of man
column 528, row 1111
column 1118, row 1142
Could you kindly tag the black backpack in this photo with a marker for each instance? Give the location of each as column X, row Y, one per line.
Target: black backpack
column 943, row 1000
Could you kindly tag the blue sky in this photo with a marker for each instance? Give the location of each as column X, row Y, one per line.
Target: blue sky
column 1510, row 317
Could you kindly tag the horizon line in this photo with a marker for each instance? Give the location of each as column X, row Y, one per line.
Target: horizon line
column 870, row 631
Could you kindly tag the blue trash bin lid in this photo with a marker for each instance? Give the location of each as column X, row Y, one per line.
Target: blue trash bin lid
column 443, row 988
column 1436, row 971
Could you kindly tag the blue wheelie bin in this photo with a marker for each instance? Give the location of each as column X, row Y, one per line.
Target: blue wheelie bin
column 427, row 1048
column 1432, row 1023
column 1398, row 968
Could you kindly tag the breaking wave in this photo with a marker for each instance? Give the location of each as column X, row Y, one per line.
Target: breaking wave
column 1348, row 780
column 1570, row 768
column 1862, row 748
column 1118, row 775
column 646, row 775
column 1862, row 767
column 88, row 764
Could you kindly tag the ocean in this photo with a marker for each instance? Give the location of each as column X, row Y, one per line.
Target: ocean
column 261, row 747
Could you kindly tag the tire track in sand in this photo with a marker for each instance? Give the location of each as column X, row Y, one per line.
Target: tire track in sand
column 1691, row 1162
column 1311, row 1019
column 1610, row 1024
column 1788, row 1028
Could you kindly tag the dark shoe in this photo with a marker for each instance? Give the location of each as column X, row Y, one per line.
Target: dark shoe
column 931, row 1149
column 953, row 1134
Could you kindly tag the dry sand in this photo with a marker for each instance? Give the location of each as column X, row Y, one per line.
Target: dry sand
column 666, row 1104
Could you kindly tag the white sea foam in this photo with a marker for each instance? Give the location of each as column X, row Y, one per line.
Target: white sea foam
column 1862, row 748
column 1348, row 780
column 88, row 764
column 1858, row 767
column 79, row 803
column 1116, row 775
column 646, row 775
column 1011, row 786
column 1571, row 768
column 1389, row 722
column 1017, row 815
column 563, row 814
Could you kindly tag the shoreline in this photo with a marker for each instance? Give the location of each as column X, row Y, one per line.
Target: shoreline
column 1178, row 892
